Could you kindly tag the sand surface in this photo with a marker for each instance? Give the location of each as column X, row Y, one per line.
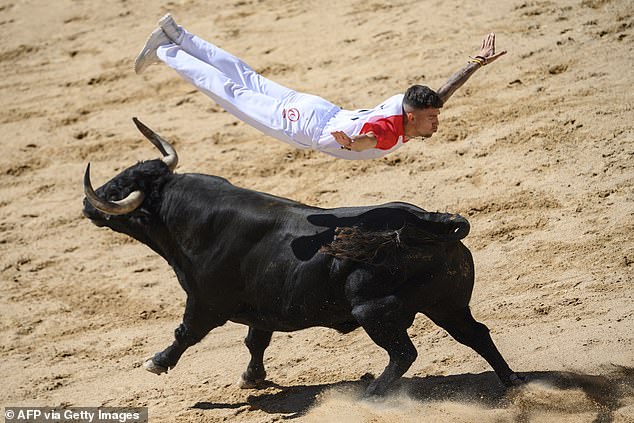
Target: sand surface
column 536, row 150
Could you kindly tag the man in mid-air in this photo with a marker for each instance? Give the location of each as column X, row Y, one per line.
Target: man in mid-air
column 299, row 119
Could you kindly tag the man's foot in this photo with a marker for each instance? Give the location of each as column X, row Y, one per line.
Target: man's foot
column 173, row 31
column 148, row 56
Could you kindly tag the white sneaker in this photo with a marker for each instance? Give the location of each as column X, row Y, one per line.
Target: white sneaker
column 173, row 31
column 148, row 56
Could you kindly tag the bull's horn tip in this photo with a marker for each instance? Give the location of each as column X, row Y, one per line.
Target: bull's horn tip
column 140, row 125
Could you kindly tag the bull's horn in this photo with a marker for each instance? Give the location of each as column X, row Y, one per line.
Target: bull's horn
column 128, row 204
column 170, row 158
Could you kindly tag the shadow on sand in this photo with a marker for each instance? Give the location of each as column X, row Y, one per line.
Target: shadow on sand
column 604, row 391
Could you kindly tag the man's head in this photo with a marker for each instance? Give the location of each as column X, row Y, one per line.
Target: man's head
column 422, row 106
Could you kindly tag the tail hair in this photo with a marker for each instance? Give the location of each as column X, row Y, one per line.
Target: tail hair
column 375, row 246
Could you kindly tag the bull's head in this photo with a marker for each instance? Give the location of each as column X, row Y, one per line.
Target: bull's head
column 125, row 193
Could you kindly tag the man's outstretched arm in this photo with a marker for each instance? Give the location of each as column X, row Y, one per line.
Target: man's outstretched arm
column 487, row 55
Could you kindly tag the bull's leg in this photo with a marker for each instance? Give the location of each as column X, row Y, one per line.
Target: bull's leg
column 256, row 341
column 195, row 326
column 383, row 322
column 465, row 329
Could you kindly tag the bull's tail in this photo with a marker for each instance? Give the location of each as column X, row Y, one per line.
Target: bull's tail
column 375, row 246
column 442, row 227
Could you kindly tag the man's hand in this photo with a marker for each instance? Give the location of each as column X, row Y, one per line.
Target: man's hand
column 342, row 139
column 359, row 143
column 487, row 51
column 487, row 55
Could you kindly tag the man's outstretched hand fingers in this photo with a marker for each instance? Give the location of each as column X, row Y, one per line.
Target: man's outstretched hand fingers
column 488, row 45
column 487, row 51
column 342, row 138
column 495, row 56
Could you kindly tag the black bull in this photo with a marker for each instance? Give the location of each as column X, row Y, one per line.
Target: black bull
column 277, row 265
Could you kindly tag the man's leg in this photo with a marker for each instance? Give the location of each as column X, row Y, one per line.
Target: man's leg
column 230, row 65
column 280, row 112
column 261, row 111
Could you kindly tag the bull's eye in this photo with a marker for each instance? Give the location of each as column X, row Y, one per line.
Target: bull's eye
column 114, row 195
column 109, row 194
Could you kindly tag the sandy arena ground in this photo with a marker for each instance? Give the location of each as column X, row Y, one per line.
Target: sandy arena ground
column 536, row 150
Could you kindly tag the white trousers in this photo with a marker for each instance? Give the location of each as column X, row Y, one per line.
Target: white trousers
column 295, row 118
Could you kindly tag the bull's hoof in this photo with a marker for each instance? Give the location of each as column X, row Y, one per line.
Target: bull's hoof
column 367, row 377
column 245, row 383
column 152, row 367
column 515, row 380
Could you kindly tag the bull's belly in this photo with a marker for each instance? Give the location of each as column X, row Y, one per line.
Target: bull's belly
column 297, row 318
column 288, row 296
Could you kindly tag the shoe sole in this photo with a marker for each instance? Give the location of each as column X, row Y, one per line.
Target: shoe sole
column 144, row 59
column 168, row 24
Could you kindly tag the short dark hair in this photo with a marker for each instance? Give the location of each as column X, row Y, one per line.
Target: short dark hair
column 421, row 97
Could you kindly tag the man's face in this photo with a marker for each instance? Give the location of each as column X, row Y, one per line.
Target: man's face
column 422, row 122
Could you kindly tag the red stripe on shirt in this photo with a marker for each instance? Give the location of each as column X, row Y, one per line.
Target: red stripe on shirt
column 386, row 130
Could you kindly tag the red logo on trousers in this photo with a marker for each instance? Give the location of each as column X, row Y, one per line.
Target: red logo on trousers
column 292, row 114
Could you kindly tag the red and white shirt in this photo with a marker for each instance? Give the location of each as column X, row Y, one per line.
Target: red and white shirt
column 385, row 121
